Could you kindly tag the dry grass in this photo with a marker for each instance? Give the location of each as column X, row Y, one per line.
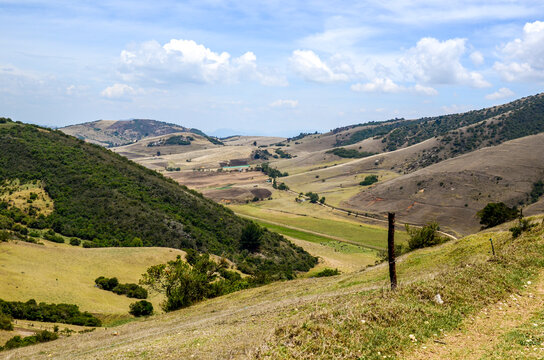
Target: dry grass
column 60, row 273
column 20, row 196
column 323, row 318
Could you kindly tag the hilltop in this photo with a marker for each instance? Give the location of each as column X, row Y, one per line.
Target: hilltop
column 110, row 133
column 104, row 198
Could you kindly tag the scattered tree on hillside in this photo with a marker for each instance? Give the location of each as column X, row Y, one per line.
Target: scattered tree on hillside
column 369, row 180
column 184, row 283
column 251, row 237
column 424, row 237
column 314, row 197
column 141, row 308
column 494, row 214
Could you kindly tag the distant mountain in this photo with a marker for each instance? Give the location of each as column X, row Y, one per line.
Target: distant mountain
column 111, row 133
column 104, row 198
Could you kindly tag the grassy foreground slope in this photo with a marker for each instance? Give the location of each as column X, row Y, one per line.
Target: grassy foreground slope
column 343, row 317
column 105, row 198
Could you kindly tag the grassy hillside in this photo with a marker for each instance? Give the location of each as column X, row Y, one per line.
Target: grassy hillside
column 516, row 119
column 105, row 198
column 341, row 317
column 60, row 273
column 452, row 191
column 111, row 133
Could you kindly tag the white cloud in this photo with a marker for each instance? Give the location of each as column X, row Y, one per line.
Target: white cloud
column 118, row 91
column 284, row 103
column 378, row 85
column 477, row 58
column 308, row 65
column 500, row 94
column 439, row 62
column 386, row 85
column 182, row 60
column 523, row 58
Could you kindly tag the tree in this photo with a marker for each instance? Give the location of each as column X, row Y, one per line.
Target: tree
column 182, row 284
column 314, row 198
column 494, row 214
column 322, row 200
column 141, row 308
column 251, row 237
column 424, row 237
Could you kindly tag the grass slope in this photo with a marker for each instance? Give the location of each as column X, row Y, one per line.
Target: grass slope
column 342, row 317
column 59, row 273
column 103, row 197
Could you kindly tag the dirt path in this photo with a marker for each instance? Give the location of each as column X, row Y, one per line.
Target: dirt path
column 332, row 237
column 481, row 333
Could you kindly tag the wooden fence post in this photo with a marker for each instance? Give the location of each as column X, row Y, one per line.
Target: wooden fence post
column 391, row 250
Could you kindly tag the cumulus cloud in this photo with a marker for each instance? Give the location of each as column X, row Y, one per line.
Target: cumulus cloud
column 182, row 60
column 439, row 62
column 284, row 103
column 502, row 93
column 118, row 91
column 523, row 58
column 477, row 58
column 309, row 65
column 386, row 85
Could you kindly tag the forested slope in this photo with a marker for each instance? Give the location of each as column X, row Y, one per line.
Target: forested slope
column 105, row 198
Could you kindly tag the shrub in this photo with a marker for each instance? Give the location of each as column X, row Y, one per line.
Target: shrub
column 523, row 225
column 327, row 272
column 75, row 241
column 369, row 180
column 494, row 214
column 251, row 237
column 89, row 244
column 4, row 235
column 42, row 336
column 424, row 237
column 313, row 197
column 141, row 308
column 5, row 322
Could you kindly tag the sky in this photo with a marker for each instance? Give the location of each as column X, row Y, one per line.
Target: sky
column 264, row 67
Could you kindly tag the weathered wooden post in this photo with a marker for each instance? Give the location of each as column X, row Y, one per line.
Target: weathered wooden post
column 391, row 250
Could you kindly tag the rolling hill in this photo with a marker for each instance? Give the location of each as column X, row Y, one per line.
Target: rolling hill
column 110, row 133
column 108, row 200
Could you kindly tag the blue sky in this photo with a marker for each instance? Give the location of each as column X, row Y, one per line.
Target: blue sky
column 264, row 67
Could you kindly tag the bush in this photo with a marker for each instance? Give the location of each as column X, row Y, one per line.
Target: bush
column 42, row 336
column 5, row 322
column 4, row 235
column 327, row 272
column 89, row 244
column 523, row 225
column 251, row 237
column 62, row 313
column 424, row 237
column 494, row 214
column 313, row 197
column 141, row 308
column 369, row 180
column 75, row 241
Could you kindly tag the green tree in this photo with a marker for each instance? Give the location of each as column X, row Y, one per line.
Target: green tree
column 182, row 284
column 251, row 237
column 494, row 214
column 424, row 236
column 141, row 308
